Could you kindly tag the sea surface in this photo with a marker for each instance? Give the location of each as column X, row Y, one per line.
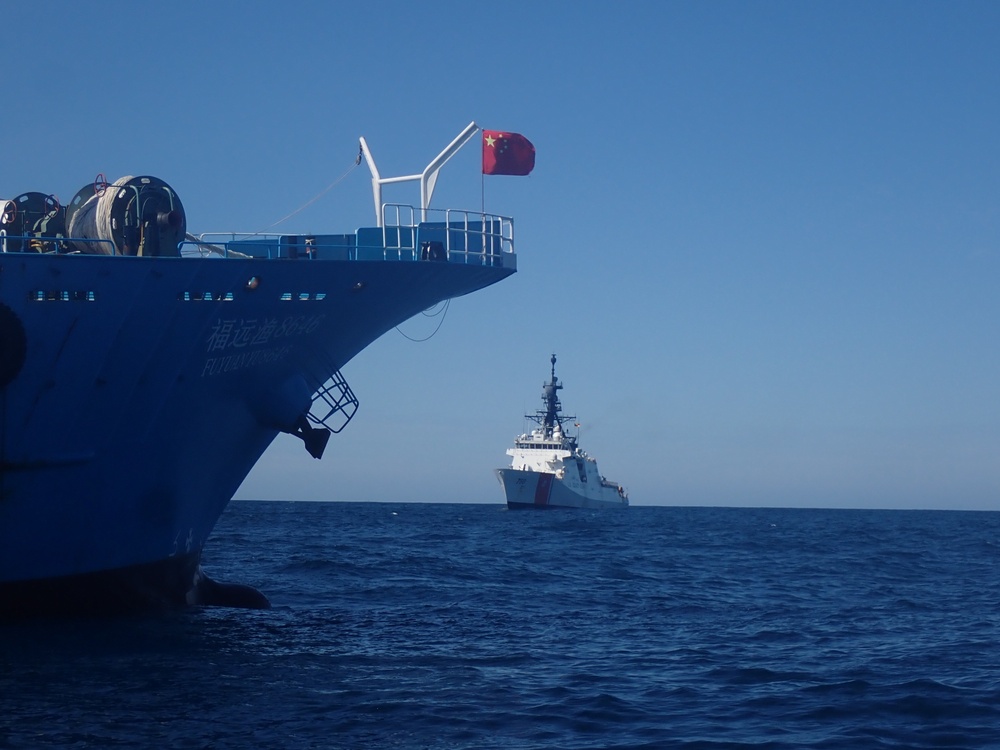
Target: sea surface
column 470, row 626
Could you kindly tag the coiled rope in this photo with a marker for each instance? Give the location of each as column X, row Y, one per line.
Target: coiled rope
column 92, row 221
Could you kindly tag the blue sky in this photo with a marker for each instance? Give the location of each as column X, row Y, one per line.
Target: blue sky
column 762, row 237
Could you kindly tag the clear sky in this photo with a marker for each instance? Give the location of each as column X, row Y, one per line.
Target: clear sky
column 763, row 238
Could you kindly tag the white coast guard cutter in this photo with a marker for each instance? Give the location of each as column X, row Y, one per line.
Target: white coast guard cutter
column 549, row 470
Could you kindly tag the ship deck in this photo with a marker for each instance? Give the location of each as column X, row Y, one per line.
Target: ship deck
column 449, row 235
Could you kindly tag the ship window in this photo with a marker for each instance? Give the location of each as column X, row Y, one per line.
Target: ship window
column 286, row 297
column 303, row 296
column 61, row 295
column 320, row 296
column 188, row 296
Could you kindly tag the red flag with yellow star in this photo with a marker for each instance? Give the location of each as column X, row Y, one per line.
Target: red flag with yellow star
column 507, row 153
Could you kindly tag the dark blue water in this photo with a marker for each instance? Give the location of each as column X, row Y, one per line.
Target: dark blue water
column 467, row 626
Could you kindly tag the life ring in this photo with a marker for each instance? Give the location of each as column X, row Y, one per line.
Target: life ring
column 13, row 345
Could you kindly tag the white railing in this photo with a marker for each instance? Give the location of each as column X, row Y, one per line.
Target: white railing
column 470, row 237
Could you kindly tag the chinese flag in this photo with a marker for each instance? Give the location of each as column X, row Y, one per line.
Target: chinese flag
column 507, row 153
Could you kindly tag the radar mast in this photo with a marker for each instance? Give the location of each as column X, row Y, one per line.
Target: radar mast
column 550, row 417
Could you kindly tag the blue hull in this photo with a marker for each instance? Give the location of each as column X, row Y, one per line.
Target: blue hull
column 158, row 586
column 146, row 388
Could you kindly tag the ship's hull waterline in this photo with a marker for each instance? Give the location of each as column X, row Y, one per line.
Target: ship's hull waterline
column 538, row 490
